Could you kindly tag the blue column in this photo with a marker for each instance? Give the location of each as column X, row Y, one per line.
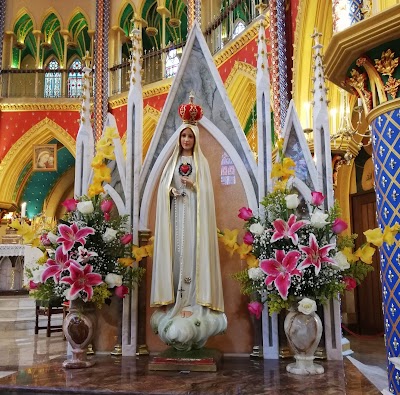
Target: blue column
column 386, row 156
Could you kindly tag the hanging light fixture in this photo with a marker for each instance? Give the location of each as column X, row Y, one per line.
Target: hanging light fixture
column 347, row 135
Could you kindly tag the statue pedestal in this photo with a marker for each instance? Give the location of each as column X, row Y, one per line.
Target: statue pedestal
column 202, row 360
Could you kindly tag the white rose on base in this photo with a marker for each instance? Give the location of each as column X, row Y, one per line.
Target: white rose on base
column 52, row 237
column 318, row 219
column 307, row 306
column 85, row 207
column 113, row 280
column 292, row 201
column 109, row 235
column 341, row 261
column 256, row 229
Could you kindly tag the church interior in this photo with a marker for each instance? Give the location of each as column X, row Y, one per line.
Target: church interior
column 69, row 67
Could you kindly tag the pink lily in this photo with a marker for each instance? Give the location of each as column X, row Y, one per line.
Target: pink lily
column 287, row 230
column 107, row 217
column 82, row 279
column 245, row 213
column 70, row 204
column 280, row 270
column 316, row 255
column 72, row 234
column 84, row 255
column 317, row 198
column 54, row 267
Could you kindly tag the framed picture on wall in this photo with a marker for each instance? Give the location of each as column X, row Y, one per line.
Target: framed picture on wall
column 45, row 157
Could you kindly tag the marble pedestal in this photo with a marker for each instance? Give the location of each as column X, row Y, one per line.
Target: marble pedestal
column 202, row 360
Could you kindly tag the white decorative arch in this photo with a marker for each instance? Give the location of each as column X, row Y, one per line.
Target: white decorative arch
column 149, row 183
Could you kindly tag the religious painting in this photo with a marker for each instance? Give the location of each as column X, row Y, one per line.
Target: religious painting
column 45, row 157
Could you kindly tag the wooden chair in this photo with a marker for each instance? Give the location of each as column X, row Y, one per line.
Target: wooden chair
column 48, row 308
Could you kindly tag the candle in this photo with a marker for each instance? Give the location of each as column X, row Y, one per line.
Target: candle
column 23, row 210
column 359, row 102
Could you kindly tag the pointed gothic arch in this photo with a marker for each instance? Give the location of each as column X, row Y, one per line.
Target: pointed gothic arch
column 20, row 153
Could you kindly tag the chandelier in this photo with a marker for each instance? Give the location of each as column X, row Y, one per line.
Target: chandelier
column 347, row 135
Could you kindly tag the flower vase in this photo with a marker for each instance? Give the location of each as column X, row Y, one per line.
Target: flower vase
column 78, row 328
column 303, row 332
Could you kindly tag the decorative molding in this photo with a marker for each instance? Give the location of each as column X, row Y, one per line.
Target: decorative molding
column 157, row 90
column 246, row 68
column 349, row 44
column 151, row 111
column 43, row 106
column 120, row 101
column 383, row 109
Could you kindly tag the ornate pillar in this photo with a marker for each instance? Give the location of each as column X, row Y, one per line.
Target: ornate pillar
column 2, row 26
column 165, row 13
column 101, row 66
column 355, row 65
column 275, row 66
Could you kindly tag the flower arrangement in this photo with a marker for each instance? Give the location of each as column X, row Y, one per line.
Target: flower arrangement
column 294, row 252
column 89, row 256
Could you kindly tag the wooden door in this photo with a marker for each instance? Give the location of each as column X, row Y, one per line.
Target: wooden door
column 369, row 293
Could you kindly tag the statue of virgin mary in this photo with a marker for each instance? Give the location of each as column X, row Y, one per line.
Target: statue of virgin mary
column 186, row 280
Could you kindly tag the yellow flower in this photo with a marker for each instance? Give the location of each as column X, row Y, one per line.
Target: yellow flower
column 365, row 253
column 389, row 234
column 106, row 148
column 95, row 189
column 102, row 173
column 127, row 261
column 229, row 238
column 149, row 249
column 252, row 261
column 139, row 253
column 43, row 259
column 280, row 185
column 243, row 250
column 279, row 143
column 110, row 133
column 348, row 253
column 374, row 236
column 98, row 160
column 286, row 167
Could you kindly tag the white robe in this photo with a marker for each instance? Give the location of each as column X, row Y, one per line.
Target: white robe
column 194, row 229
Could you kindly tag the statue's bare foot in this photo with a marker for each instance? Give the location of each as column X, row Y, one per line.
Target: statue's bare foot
column 186, row 314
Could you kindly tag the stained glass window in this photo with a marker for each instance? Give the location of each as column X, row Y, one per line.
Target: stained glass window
column 228, row 171
column 52, row 80
column 75, row 79
column 171, row 63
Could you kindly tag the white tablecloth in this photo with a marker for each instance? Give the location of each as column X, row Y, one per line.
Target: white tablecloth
column 12, row 250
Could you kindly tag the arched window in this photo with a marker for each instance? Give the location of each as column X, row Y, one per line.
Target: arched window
column 228, row 171
column 171, row 63
column 75, row 79
column 239, row 27
column 52, row 80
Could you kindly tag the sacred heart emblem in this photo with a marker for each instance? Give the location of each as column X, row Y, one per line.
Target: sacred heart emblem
column 185, row 169
column 78, row 330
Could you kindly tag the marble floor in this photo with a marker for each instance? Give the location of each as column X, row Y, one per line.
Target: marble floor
column 32, row 364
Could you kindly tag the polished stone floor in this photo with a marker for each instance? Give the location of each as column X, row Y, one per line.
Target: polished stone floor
column 32, row 364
